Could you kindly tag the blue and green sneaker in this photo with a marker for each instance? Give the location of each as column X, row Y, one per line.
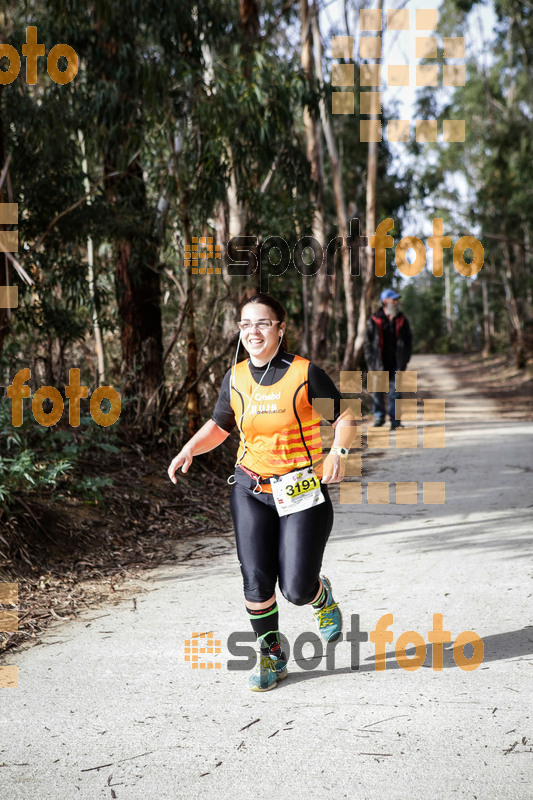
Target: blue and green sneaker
column 329, row 617
column 272, row 667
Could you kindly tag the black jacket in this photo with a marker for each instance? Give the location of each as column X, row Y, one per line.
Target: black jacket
column 388, row 343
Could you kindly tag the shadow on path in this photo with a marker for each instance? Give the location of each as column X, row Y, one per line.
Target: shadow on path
column 515, row 644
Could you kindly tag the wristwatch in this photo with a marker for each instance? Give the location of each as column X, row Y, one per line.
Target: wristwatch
column 343, row 452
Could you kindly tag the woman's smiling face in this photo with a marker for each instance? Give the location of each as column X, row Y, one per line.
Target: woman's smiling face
column 260, row 343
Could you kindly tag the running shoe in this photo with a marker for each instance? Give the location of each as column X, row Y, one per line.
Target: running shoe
column 329, row 618
column 269, row 671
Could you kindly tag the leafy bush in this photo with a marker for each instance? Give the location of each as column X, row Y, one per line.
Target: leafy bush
column 35, row 457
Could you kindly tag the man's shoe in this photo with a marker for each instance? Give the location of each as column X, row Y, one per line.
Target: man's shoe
column 378, row 422
column 329, row 617
column 269, row 671
column 395, row 424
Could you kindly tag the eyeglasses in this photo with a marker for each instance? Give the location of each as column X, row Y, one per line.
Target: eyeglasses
column 263, row 325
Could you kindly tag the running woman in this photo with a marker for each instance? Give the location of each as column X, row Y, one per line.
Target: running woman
column 281, row 509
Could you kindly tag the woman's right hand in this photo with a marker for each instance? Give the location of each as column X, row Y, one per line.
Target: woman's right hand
column 183, row 460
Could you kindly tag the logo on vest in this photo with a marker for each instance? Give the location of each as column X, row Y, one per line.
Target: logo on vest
column 264, row 397
column 269, row 408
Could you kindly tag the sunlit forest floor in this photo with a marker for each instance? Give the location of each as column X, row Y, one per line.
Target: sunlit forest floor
column 86, row 554
column 498, row 378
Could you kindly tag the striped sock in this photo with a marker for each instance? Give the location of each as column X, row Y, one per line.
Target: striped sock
column 265, row 623
column 320, row 602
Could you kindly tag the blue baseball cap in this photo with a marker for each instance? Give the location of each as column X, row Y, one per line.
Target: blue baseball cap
column 389, row 294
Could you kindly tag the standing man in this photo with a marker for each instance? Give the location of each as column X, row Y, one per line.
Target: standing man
column 388, row 344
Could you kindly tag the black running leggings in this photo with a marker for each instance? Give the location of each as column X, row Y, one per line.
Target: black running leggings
column 270, row 547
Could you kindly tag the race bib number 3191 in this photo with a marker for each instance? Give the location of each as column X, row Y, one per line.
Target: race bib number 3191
column 296, row 491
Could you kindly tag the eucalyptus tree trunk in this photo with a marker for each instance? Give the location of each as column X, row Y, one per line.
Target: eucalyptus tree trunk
column 305, row 338
column 338, row 192
column 192, row 400
column 137, row 280
column 487, row 338
column 237, row 211
column 475, row 315
column 249, row 22
column 321, row 281
column 512, row 307
column 448, row 308
column 5, row 313
column 368, row 277
column 100, row 370
column 190, row 383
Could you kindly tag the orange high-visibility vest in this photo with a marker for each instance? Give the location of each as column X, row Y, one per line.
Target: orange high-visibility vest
column 280, row 428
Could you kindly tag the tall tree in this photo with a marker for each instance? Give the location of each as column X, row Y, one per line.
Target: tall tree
column 311, row 123
column 368, row 262
column 495, row 159
column 338, row 192
column 121, row 124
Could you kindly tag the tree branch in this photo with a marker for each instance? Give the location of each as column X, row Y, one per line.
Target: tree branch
column 4, row 170
column 185, row 390
column 75, row 205
column 177, row 332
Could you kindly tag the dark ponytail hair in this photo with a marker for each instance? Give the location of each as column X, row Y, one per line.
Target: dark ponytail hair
column 277, row 308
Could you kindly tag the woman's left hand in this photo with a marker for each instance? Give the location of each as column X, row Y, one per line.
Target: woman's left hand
column 333, row 469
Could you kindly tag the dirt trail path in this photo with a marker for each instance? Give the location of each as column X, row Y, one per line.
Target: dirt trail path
column 107, row 705
column 464, row 401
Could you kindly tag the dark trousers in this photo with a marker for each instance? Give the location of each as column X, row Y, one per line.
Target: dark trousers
column 379, row 402
column 285, row 549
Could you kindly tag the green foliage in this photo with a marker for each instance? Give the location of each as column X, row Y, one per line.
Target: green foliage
column 25, row 470
column 89, row 488
column 483, row 187
column 37, row 459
